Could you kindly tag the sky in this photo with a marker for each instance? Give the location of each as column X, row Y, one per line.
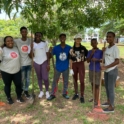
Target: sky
column 4, row 16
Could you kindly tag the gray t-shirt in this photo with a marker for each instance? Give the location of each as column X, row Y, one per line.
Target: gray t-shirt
column 10, row 60
column 23, row 50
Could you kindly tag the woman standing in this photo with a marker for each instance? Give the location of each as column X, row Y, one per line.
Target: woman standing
column 111, row 71
column 77, row 57
column 39, row 50
column 10, row 69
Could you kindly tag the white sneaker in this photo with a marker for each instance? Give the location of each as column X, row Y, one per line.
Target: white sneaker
column 47, row 95
column 41, row 94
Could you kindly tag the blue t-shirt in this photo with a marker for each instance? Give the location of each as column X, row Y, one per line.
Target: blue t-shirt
column 98, row 55
column 62, row 57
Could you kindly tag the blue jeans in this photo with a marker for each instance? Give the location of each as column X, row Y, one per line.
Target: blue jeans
column 26, row 72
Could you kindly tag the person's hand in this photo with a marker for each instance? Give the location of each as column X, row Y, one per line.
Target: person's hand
column 103, row 67
column 103, row 49
column 71, row 72
column 94, row 59
column 93, row 51
column 48, row 67
column 50, row 49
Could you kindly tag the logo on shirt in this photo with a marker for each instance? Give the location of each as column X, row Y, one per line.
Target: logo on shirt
column 24, row 48
column 13, row 55
column 62, row 56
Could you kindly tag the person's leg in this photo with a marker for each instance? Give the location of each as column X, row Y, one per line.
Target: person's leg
column 75, row 77
column 106, row 85
column 81, row 70
column 45, row 77
column 65, row 76
column 23, row 75
column 91, row 81
column 38, row 68
column 18, row 86
column 28, row 73
column 111, row 86
column 96, row 93
column 54, row 84
column 7, row 79
column 97, row 83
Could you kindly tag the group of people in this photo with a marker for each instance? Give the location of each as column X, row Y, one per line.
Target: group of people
column 16, row 57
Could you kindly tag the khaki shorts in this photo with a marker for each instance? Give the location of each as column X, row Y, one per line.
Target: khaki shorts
column 97, row 77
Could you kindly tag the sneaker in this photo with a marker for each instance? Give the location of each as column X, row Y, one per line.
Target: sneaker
column 41, row 94
column 20, row 100
column 26, row 94
column 106, row 104
column 51, row 97
column 10, row 101
column 82, row 100
column 47, row 95
column 65, row 96
column 76, row 96
column 107, row 110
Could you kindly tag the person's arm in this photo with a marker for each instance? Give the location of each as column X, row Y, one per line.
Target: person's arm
column 90, row 56
column 1, row 54
column 116, row 62
column 31, row 52
column 70, row 63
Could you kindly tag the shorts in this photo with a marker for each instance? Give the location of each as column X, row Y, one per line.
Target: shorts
column 97, row 77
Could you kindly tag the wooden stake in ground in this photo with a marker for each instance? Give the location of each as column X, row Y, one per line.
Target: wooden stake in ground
column 32, row 100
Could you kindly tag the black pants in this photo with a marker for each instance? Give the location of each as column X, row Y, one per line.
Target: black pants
column 7, row 79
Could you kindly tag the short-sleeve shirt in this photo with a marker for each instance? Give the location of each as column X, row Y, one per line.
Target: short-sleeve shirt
column 78, row 54
column 98, row 55
column 40, row 50
column 10, row 60
column 111, row 54
column 62, row 57
column 23, row 47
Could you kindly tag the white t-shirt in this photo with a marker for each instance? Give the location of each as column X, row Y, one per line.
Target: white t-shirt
column 111, row 54
column 23, row 50
column 40, row 50
column 10, row 60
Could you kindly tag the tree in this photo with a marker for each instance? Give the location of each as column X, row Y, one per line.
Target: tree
column 11, row 27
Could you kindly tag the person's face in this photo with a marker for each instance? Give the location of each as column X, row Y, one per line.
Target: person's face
column 24, row 32
column 110, row 38
column 94, row 43
column 62, row 39
column 9, row 42
column 38, row 36
column 78, row 40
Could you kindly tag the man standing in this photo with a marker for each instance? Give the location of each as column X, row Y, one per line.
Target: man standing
column 61, row 53
column 22, row 45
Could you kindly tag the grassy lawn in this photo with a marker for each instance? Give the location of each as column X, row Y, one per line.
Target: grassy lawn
column 61, row 111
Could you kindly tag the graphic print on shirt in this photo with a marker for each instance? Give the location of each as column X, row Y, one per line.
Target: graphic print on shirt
column 77, row 56
column 62, row 56
column 24, row 48
column 14, row 55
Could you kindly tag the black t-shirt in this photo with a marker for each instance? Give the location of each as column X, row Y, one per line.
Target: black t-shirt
column 78, row 54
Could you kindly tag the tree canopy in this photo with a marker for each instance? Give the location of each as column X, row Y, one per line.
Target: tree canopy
column 55, row 16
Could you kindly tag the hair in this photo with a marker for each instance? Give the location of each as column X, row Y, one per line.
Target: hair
column 39, row 33
column 110, row 32
column 94, row 39
column 23, row 28
column 6, row 38
column 62, row 35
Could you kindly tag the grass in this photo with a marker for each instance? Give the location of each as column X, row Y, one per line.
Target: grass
column 73, row 112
